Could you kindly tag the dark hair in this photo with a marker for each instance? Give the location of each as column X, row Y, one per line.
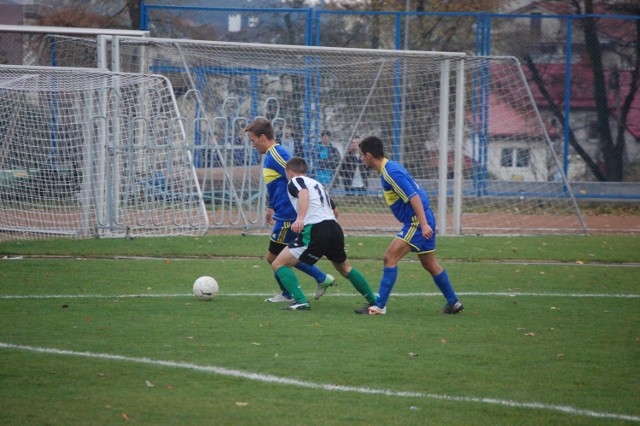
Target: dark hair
column 325, row 132
column 373, row 145
column 297, row 165
column 261, row 126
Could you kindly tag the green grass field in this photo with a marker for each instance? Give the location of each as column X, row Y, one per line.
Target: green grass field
column 107, row 332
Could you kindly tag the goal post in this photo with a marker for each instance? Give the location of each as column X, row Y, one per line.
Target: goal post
column 87, row 153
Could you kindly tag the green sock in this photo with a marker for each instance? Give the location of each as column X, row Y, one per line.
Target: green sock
column 290, row 282
column 361, row 284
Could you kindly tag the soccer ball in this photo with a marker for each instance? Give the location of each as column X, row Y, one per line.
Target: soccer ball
column 205, row 288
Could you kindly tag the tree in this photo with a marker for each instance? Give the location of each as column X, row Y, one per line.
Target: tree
column 92, row 14
column 612, row 149
column 423, row 31
column 611, row 141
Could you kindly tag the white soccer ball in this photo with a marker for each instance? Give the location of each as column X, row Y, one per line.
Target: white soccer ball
column 205, row 288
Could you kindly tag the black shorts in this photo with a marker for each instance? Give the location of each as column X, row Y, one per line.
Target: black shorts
column 320, row 239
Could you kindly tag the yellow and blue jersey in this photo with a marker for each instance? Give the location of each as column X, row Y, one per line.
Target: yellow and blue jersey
column 399, row 187
column 275, row 177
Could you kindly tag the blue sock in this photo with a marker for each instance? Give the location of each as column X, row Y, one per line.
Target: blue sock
column 283, row 290
column 386, row 285
column 313, row 271
column 442, row 281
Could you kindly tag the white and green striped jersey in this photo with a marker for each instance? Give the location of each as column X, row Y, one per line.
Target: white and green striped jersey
column 320, row 204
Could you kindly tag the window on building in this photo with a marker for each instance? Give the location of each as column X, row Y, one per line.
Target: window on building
column 515, row 157
column 594, row 131
column 506, row 157
column 522, row 157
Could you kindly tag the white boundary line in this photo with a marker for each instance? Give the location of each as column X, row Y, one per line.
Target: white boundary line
column 166, row 295
column 267, row 378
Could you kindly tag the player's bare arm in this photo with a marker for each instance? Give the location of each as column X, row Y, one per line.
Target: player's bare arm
column 269, row 215
column 303, row 206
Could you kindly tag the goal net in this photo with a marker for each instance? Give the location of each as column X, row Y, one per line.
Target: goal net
column 87, row 153
column 465, row 127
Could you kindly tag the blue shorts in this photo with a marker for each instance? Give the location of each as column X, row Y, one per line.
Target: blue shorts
column 281, row 236
column 411, row 233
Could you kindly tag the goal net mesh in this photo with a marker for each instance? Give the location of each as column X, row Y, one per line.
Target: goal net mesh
column 86, row 153
column 506, row 172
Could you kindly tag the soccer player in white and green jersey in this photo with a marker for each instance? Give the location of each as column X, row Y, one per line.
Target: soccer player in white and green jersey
column 280, row 212
column 410, row 205
column 319, row 234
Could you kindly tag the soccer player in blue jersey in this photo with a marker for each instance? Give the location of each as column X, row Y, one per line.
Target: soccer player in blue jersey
column 319, row 234
column 280, row 212
column 410, row 205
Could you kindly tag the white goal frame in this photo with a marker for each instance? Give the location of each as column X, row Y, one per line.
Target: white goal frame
column 115, row 134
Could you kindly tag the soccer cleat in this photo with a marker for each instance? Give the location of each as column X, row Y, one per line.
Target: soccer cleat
column 322, row 287
column 371, row 309
column 297, row 306
column 278, row 298
column 453, row 308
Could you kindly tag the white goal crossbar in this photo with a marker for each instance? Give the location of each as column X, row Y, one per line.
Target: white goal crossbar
column 71, row 31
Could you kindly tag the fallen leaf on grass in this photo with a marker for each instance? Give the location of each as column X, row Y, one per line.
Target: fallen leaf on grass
column 149, row 384
column 256, row 343
column 126, row 416
column 413, row 354
column 579, row 262
column 241, row 404
column 530, row 334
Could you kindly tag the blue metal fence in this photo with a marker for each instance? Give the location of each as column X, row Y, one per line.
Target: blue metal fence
column 478, row 33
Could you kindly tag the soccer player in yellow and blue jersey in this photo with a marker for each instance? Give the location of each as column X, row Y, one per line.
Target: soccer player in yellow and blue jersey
column 409, row 203
column 280, row 212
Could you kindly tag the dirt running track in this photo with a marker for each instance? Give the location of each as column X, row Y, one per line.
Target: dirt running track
column 612, row 224
column 472, row 224
column 489, row 223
